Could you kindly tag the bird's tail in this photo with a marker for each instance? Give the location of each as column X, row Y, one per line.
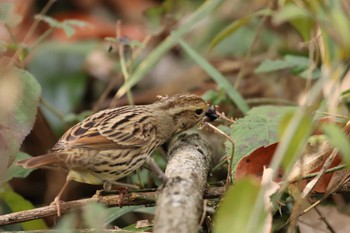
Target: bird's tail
column 46, row 160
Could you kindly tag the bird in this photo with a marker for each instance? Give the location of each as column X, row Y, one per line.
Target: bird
column 113, row 143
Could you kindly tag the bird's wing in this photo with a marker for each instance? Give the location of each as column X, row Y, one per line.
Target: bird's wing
column 123, row 127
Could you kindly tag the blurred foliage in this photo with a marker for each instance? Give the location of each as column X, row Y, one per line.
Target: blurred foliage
column 16, row 203
column 19, row 99
column 63, row 78
column 236, row 208
column 285, row 39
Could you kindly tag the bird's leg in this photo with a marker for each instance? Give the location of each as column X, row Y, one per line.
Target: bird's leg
column 57, row 200
column 153, row 166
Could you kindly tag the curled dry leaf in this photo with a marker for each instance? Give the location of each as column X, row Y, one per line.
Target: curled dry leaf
column 143, row 223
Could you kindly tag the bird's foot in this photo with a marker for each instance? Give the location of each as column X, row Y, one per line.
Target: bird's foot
column 57, row 202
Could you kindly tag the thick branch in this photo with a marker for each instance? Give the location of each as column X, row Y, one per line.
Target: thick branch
column 180, row 204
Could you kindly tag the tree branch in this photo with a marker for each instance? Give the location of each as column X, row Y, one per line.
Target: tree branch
column 180, row 204
column 132, row 198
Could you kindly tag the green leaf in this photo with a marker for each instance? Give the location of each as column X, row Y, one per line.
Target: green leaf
column 298, row 17
column 94, row 215
column 341, row 25
column 290, row 12
column 19, row 99
column 295, row 130
column 258, row 129
column 345, row 93
column 237, row 207
column 339, row 140
column 116, row 212
column 67, row 223
column 8, row 15
column 217, row 77
column 17, row 203
column 235, row 25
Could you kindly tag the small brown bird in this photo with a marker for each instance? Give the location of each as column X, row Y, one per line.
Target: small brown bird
column 112, row 143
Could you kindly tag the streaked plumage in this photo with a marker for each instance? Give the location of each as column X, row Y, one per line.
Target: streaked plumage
column 112, row 143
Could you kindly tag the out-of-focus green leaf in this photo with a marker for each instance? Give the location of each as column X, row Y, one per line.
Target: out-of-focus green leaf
column 235, row 25
column 315, row 74
column 345, row 93
column 94, row 215
column 339, row 140
column 19, row 99
column 67, row 223
column 237, row 207
column 117, row 212
column 217, row 77
column 290, row 12
column 298, row 65
column 17, row 203
column 146, row 210
column 16, row 171
column 258, row 129
column 289, row 61
column 215, row 97
column 295, row 130
column 299, row 18
column 304, row 27
column 341, row 26
column 58, row 68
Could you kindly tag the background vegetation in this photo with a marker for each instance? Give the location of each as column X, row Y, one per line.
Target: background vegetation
column 279, row 70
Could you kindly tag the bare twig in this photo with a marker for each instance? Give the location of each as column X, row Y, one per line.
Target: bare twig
column 229, row 169
column 132, row 198
column 329, row 227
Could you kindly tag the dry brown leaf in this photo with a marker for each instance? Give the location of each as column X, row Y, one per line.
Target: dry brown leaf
column 143, row 223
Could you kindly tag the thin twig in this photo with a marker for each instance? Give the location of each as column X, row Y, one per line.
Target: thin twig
column 329, row 227
column 223, row 116
column 229, row 169
column 123, row 65
column 325, row 166
column 132, row 198
column 204, row 212
column 312, row 175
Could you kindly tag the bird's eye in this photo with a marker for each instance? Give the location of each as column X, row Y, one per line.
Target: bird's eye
column 198, row 111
